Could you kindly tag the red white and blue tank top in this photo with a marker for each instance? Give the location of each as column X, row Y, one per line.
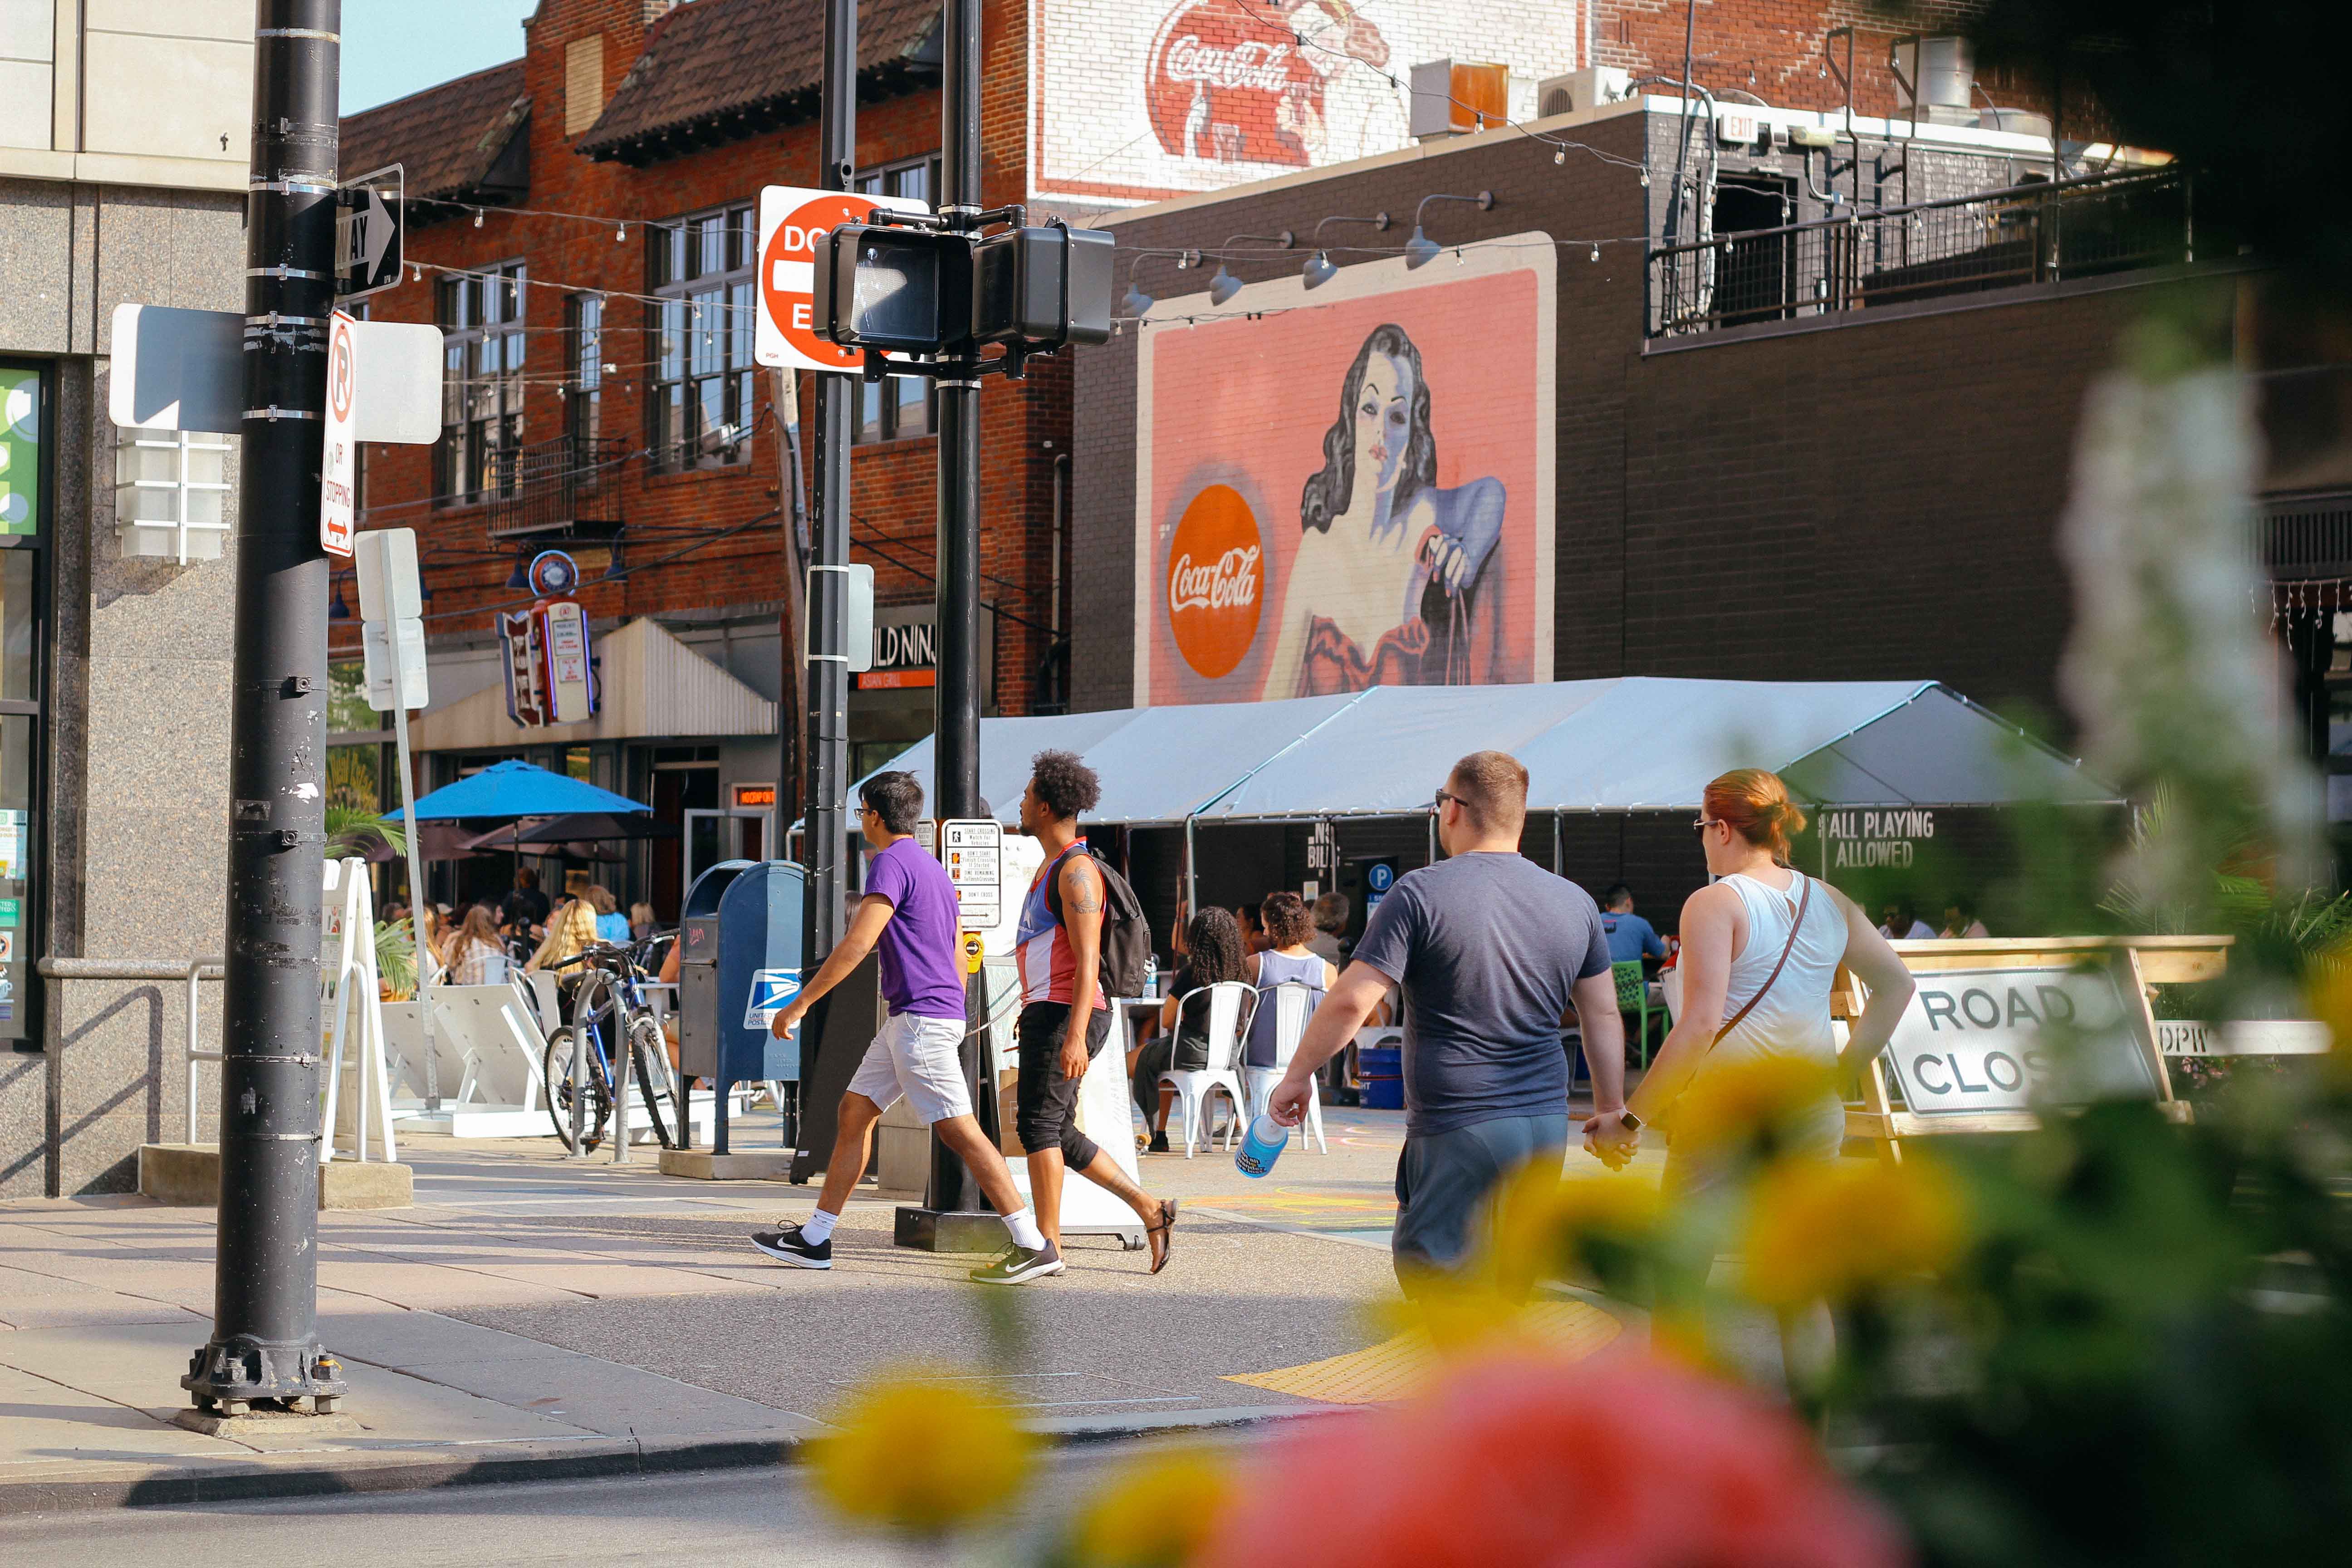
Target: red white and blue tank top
column 1042, row 948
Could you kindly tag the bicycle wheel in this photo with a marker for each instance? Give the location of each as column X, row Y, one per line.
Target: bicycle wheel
column 655, row 1086
column 598, row 1105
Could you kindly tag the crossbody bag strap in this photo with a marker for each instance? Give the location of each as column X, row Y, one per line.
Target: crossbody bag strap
column 1803, row 901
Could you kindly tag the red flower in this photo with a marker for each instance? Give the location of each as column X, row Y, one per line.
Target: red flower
column 1523, row 1461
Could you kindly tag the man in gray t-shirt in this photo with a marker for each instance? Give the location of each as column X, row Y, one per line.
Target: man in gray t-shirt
column 1493, row 955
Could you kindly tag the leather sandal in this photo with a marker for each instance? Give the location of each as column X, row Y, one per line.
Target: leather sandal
column 1166, row 1227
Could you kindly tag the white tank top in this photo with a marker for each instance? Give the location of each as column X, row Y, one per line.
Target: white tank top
column 1794, row 1018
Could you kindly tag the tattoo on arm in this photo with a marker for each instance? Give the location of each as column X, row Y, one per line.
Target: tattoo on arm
column 1081, row 891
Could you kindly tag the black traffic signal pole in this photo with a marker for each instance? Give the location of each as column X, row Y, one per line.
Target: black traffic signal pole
column 836, row 397
column 955, row 702
column 824, row 835
column 264, row 1345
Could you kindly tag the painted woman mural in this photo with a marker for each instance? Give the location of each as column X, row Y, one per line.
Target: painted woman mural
column 1387, row 585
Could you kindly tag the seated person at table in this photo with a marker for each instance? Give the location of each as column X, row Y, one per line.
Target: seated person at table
column 1629, row 935
column 1287, row 960
column 1178, row 1038
column 1331, row 911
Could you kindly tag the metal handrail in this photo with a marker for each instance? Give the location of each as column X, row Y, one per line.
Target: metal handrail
column 192, row 971
column 1854, row 219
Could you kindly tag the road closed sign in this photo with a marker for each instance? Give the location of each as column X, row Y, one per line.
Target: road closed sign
column 792, row 217
column 2005, row 1039
column 339, row 469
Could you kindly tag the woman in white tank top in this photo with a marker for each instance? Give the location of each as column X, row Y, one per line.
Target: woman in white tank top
column 1734, row 935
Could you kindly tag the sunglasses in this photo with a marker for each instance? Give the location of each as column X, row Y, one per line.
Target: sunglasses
column 1702, row 824
column 1438, row 802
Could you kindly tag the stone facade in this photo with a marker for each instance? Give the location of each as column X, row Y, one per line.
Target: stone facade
column 136, row 684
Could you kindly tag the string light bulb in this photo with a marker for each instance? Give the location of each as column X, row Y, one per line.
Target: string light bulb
column 1596, row 250
column 478, row 218
column 1560, row 155
column 620, row 234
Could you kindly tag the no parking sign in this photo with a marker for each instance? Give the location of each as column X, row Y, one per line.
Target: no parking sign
column 792, row 217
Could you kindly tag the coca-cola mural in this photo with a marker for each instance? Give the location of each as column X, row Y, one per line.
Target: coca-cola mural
column 1141, row 100
column 1352, row 488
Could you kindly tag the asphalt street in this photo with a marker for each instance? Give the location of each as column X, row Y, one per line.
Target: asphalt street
column 719, row 1517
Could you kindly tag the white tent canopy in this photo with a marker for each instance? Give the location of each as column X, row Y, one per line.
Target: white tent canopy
column 1639, row 743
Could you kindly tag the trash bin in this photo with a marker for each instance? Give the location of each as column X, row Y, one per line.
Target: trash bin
column 738, row 963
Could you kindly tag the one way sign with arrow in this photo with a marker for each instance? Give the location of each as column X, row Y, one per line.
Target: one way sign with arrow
column 368, row 247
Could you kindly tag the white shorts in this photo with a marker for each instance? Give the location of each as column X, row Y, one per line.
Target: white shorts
column 920, row 1058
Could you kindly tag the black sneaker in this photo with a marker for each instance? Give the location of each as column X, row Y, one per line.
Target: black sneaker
column 787, row 1245
column 1020, row 1266
column 1159, row 1145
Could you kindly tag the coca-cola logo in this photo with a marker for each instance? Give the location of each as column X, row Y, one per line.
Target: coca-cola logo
column 1228, row 583
column 1261, row 66
column 1226, row 82
column 1216, row 577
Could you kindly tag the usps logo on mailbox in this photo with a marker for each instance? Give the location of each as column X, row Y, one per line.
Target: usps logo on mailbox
column 772, row 991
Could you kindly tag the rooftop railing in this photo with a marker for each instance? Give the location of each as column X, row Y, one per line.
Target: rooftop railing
column 2037, row 233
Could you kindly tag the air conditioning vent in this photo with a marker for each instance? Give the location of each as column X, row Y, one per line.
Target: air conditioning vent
column 1579, row 90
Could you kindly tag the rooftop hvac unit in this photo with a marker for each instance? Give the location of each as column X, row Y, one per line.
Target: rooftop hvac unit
column 1940, row 73
column 1579, row 90
column 1451, row 97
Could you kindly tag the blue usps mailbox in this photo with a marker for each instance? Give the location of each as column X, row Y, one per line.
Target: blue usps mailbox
column 739, row 964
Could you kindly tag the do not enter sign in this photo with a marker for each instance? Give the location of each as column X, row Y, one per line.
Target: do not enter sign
column 792, row 217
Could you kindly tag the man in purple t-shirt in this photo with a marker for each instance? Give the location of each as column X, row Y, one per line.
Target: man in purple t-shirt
column 908, row 910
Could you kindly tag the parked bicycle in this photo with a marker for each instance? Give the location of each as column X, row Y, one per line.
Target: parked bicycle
column 609, row 1007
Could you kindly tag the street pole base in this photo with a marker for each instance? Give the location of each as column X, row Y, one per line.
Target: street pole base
column 951, row 1231
column 268, row 1419
column 235, row 1376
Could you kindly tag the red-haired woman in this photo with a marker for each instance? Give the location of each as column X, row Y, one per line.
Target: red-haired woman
column 1761, row 945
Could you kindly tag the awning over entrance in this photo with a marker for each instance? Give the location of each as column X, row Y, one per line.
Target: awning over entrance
column 653, row 686
column 1638, row 743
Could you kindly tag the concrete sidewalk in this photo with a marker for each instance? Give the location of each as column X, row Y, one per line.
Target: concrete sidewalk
column 537, row 1317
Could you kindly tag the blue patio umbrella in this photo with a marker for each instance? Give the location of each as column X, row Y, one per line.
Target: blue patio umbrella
column 511, row 789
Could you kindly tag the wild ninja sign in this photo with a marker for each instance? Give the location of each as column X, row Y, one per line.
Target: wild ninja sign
column 2002, row 1039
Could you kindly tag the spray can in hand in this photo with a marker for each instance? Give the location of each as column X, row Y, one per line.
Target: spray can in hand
column 1262, row 1145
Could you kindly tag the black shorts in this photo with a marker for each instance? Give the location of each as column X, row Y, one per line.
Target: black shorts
column 1045, row 1103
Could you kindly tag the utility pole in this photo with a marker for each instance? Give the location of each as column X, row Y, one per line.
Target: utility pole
column 827, row 713
column 955, row 711
column 264, row 1345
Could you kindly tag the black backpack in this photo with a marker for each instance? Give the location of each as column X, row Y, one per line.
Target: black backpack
column 1125, row 936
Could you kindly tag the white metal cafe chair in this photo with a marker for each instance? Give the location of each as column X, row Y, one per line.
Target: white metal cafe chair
column 1226, row 1008
column 1293, row 1004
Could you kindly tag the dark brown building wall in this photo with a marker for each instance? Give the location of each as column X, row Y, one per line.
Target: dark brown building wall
column 1872, row 500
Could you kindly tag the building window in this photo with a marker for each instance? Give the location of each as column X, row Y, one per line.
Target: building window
column 900, row 406
column 583, row 401
column 26, row 412
column 893, row 409
column 702, row 401
column 481, row 384
column 914, row 179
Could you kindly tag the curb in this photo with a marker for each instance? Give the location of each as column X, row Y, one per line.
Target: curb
column 120, row 1485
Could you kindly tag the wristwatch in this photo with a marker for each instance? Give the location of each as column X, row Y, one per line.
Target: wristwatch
column 1629, row 1121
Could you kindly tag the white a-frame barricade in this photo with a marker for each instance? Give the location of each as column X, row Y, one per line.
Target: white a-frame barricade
column 351, row 1015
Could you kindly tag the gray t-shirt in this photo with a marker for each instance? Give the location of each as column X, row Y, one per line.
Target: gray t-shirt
column 1485, row 947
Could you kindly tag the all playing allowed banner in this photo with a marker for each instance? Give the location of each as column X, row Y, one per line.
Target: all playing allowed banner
column 1349, row 487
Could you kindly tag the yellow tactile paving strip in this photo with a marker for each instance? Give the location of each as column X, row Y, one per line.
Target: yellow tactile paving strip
column 1394, row 1368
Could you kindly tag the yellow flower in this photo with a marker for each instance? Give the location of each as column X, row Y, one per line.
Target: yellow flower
column 1726, row 1107
column 1541, row 1221
column 1154, row 1513
column 917, row 1454
column 2328, row 985
column 1833, row 1230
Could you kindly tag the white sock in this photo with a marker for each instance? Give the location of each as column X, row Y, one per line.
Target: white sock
column 1023, row 1224
column 818, row 1227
